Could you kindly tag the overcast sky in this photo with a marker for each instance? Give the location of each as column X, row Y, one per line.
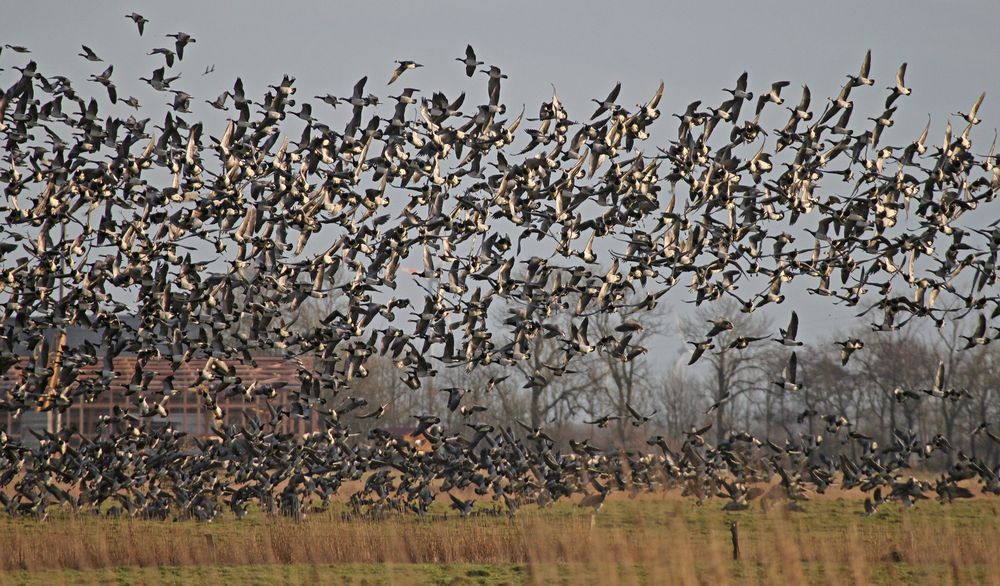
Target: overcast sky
column 583, row 48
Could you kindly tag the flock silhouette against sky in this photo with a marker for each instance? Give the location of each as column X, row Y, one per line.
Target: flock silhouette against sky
column 445, row 234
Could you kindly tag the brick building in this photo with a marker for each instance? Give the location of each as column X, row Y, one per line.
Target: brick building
column 185, row 409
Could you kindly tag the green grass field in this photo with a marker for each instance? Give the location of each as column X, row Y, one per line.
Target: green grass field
column 652, row 539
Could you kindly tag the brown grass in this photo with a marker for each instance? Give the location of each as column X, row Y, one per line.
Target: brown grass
column 654, row 539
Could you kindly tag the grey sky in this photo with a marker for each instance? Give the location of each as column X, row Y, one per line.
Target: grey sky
column 583, row 48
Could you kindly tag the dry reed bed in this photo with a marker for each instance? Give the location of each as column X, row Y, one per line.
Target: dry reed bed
column 647, row 540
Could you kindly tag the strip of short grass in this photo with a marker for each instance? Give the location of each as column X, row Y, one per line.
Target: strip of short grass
column 271, row 575
column 478, row 574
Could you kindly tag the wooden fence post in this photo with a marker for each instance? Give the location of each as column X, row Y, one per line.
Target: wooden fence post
column 734, row 528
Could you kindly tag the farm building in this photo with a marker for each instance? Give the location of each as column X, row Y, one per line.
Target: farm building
column 185, row 407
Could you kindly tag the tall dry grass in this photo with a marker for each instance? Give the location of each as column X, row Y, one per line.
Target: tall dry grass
column 655, row 541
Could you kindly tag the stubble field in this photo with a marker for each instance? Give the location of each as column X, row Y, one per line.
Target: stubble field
column 653, row 539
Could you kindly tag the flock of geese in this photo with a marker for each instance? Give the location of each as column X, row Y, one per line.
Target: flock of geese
column 502, row 222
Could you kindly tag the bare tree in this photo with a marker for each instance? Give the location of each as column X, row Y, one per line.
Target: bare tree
column 620, row 373
column 681, row 401
column 733, row 355
column 895, row 364
column 548, row 374
column 954, row 359
column 983, row 382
